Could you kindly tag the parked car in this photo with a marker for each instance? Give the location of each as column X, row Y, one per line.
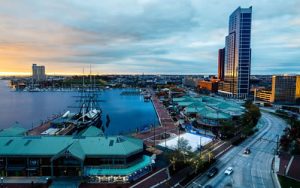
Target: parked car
column 212, row 172
column 228, row 171
column 247, row 151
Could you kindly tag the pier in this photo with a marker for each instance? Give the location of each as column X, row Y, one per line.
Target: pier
column 130, row 93
column 167, row 125
column 43, row 127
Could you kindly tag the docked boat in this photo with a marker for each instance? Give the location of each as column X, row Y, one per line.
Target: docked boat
column 89, row 115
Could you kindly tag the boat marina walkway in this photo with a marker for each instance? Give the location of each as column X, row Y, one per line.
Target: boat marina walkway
column 167, row 125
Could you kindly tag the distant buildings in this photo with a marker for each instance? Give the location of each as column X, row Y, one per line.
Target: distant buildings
column 221, row 63
column 237, row 64
column 191, row 81
column 38, row 73
column 285, row 89
column 208, row 85
column 263, row 95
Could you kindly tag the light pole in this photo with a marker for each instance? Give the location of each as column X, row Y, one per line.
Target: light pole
column 277, row 144
column 2, row 180
column 200, row 146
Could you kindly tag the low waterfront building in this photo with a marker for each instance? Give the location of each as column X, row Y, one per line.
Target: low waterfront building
column 209, row 112
column 118, row 157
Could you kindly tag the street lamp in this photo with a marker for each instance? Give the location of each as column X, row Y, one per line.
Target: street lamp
column 2, row 180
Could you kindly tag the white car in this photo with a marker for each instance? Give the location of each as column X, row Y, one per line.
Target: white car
column 228, row 171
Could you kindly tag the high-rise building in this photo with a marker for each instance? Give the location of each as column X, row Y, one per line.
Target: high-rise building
column 221, row 62
column 237, row 64
column 38, row 73
column 285, row 89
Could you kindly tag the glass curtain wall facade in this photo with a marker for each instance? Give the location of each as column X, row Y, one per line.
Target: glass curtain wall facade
column 238, row 54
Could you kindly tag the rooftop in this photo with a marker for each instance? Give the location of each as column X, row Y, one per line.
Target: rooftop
column 79, row 146
column 15, row 130
column 210, row 107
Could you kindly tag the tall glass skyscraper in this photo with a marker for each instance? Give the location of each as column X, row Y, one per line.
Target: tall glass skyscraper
column 238, row 54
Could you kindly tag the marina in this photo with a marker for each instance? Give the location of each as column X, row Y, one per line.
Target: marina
column 35, row 110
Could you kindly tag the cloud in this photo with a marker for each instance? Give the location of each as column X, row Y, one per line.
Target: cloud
column 135, row 36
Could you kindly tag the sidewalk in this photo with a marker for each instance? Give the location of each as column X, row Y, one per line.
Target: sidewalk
column 25, row 180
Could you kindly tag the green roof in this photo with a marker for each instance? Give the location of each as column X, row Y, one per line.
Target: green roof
column 184, row 103
column 146, row 161
column 210, row 107
column 76, row 150
column 15, row 130
column 77, row 146
column 91, row 131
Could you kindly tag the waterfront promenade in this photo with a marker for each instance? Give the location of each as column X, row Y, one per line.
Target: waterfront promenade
column 167, row 125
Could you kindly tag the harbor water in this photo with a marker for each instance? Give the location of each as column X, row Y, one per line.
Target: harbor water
column 127, row 112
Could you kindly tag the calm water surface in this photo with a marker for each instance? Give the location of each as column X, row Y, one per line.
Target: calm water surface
column 126, row 112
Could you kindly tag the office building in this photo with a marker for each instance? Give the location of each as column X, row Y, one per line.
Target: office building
column 237, row 64
column 285, row 89
column 221, row 62
column 38, row 73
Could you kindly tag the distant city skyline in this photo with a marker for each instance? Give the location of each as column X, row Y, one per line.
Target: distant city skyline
column 136, row 37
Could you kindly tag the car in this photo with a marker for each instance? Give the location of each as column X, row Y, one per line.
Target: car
column 212, row 172
column 247, row 151
column 228, row 171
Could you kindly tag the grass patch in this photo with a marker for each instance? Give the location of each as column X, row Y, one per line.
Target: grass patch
column 288, row 183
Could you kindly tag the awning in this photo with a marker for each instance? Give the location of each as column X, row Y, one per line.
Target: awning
column 139, row 167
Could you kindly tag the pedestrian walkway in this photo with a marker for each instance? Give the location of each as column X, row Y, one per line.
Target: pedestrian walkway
column 167, row 125
column 65, row 183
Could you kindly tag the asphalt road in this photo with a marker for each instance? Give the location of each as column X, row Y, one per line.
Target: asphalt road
column 253, row 170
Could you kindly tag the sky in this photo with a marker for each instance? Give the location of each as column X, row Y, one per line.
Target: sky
column 142, row 36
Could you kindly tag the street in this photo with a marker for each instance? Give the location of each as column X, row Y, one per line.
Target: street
column 252, row 170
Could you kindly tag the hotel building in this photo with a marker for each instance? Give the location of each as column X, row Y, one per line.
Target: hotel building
column 38, row 73
column 237, row 65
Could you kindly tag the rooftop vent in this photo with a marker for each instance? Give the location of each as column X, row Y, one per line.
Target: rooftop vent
column 111, row 142
column 27, row 142
column 120, row 139
column 8, row 142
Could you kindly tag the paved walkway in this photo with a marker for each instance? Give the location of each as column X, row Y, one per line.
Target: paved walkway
column 159, row 177
column 67, row 183
column 25, row 180
column 167, row 125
